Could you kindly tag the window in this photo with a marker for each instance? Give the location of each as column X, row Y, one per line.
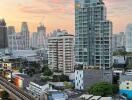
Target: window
column 127, row 83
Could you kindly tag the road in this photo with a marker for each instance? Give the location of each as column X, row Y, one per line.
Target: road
column 14, row 90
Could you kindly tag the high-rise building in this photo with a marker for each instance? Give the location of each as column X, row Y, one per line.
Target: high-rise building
column 3, row 34
column 25, row 34
column 33, row 41
column 118, row 41
column 92, row 34
column 128, row 36
column 39, row 39
column 11, row 38
column 20, row 40
column 61, row 52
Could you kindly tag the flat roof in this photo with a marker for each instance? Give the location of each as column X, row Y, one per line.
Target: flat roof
column 39, row 82
column 86, row 96
column 95, row 98
column 106, row 98
column 23, row 75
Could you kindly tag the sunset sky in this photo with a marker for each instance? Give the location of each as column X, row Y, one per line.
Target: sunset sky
column 59, row 13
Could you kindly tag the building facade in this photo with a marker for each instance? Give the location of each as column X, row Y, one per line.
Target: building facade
column 85, row 78
column 118, row 41
column 12, row 43
column 20, row 40
column 61, row 52
column 128, row 35
column 3, row 34
column 39, row 39
column 25, row 34
column 39, row 89
column 93, row 34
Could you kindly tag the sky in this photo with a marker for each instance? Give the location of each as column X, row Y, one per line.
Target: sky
column 59, row 13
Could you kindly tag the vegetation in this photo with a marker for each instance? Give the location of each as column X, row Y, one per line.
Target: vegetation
column 69, row 85
column 60, row 78
column 79, row 67
column 122, row 53
column 103, row 89
column 46, row 71
column 4, row 95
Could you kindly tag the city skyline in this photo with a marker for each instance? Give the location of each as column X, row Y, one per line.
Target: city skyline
column 59, row 13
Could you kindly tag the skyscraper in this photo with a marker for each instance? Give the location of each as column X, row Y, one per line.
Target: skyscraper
column 11, row 38
column 3, row 34
column 41, row 37
column 25, row 34
column 128, row 36
column 92, row 34
column 118, row 41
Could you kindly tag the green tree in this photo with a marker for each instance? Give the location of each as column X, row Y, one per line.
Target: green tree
column 21, row 70
column 47, row 72
column 60, row 78
column 103, row 89
column 68, row 85
column 4, row 95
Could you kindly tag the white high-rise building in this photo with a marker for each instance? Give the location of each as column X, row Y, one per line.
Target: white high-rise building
column 118, row 41
column 33, row 41
column 39, row 39
column 93, row 32
column 11, row 38
column 25, row 35
column 20, row 40
column 128, row 35
column 61, row 52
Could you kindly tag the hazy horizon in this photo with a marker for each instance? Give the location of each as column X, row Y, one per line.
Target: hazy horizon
column 59, row 13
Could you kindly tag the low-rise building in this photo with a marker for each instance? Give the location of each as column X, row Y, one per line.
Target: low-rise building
column 88, row 77
column 39, row 89
column 21, row 80
column 55, row 95
column 126, row 85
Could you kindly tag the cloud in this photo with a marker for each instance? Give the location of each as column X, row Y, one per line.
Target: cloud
column 49, row 7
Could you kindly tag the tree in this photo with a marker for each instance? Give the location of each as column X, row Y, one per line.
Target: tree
column 68, row 85
column 103, row 89
column 47, row 72
column 21, row 70
column 60, row 78
column 4, row 95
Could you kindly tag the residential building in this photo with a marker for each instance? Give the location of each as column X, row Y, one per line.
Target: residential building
column 118, row 41
column 3, row 34
column 125, row 86
column 93, row 33
column 39, row 89
column 61, row 52
column 87, row 77
column 128, row 35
